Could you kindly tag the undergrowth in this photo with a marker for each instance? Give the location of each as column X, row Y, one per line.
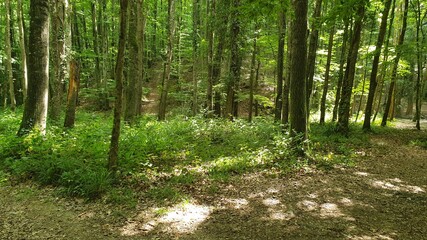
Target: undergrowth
column 158, row 158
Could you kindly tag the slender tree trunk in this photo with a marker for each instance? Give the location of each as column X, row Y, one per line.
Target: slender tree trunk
column 196, row 24
column 23, row 50
column 298, row 107
column 95, row 37
column 311, row 60
column 252, row 77
column 341, row 70
column 256, row 84
column 395, row 66
column 280, row 65
column 168, row 67
column 326, row 82
column 347, row 87
column 8, row 49
column 287, row 83
column 210, row 55
column 236, row 61
column 36, row 104
column 73, row 89
column 375, row 63
column 114, row 146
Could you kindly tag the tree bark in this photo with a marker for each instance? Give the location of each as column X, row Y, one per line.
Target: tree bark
column 210, row 55
column 326, row 82
column 23, row 50
column 8, row 50
column 73, row 89
column 280, row 65
column 373, row 79
column 168, row 67
column 252, row 77
column 395, row 65
column 136, row 52
column 114, row 146
column 347, row 87
column 298, row 107
column 313, row 44
column 196, row 24
column 36, row 104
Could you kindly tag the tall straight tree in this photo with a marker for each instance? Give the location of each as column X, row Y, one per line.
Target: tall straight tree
column 327, row 71
column 236, row 61
column 375, row 63
column 36, row 104
column 120, row 62
column 59, row 28
column 136, row 52
column 312, row 49
column 169, row 58
column 347, row 87
column 396, row 64
column 23, row 49
column 298, row 109
column 8, row 49
column 280, row 64
column 196, row 24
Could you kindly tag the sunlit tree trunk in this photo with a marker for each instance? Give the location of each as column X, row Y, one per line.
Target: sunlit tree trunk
column 73, row 89
column 22, row 49
column 36, row 104
column 327, row 71
column 114, row 146
column 395, row 65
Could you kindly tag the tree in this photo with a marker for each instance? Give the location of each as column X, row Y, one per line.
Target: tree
column 298, row 109
column 347, row 87
column 280, row 64
column 396, row 64
column 73, row 88
column 114, row 146
column 22, row 47
column 8, row 49
column 136, row 52
column 36, row 104
column 373, row 79
column 327, row 71
column 169, row 58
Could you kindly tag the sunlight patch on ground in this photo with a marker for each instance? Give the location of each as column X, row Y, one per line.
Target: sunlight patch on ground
column 236, row 203
column 307, row 205
column 346, row 202
column 270, row 202
column 398, row 185
column 376, row 237
column 330, row 210
column 365, row 174
column 182, row 218
column 280, row 215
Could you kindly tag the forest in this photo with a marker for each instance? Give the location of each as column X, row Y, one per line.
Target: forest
column 213, row 119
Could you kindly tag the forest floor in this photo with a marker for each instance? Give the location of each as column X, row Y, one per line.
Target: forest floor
column 382, row 197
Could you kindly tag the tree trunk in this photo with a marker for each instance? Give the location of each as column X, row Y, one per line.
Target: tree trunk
column 114, row 146
column 298, row 107
column 256, row 84
column 168, row 67
column 375, row 63
column 252, row 77
column 280, row 65
column 236, row 62
column 73, row 90
column 311, row 60
column 196, row 24
column 287, row 83
column 8, row 50
column 210, row 55
column 395, row 66
column 136, row 51
column 23, row 50
column 35, row 109
column 347, row 87
column 59, row 56
column 326, row 83
column 341, row 70
column 95, row 37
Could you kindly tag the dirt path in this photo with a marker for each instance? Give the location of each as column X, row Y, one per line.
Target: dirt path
column 383, row 197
